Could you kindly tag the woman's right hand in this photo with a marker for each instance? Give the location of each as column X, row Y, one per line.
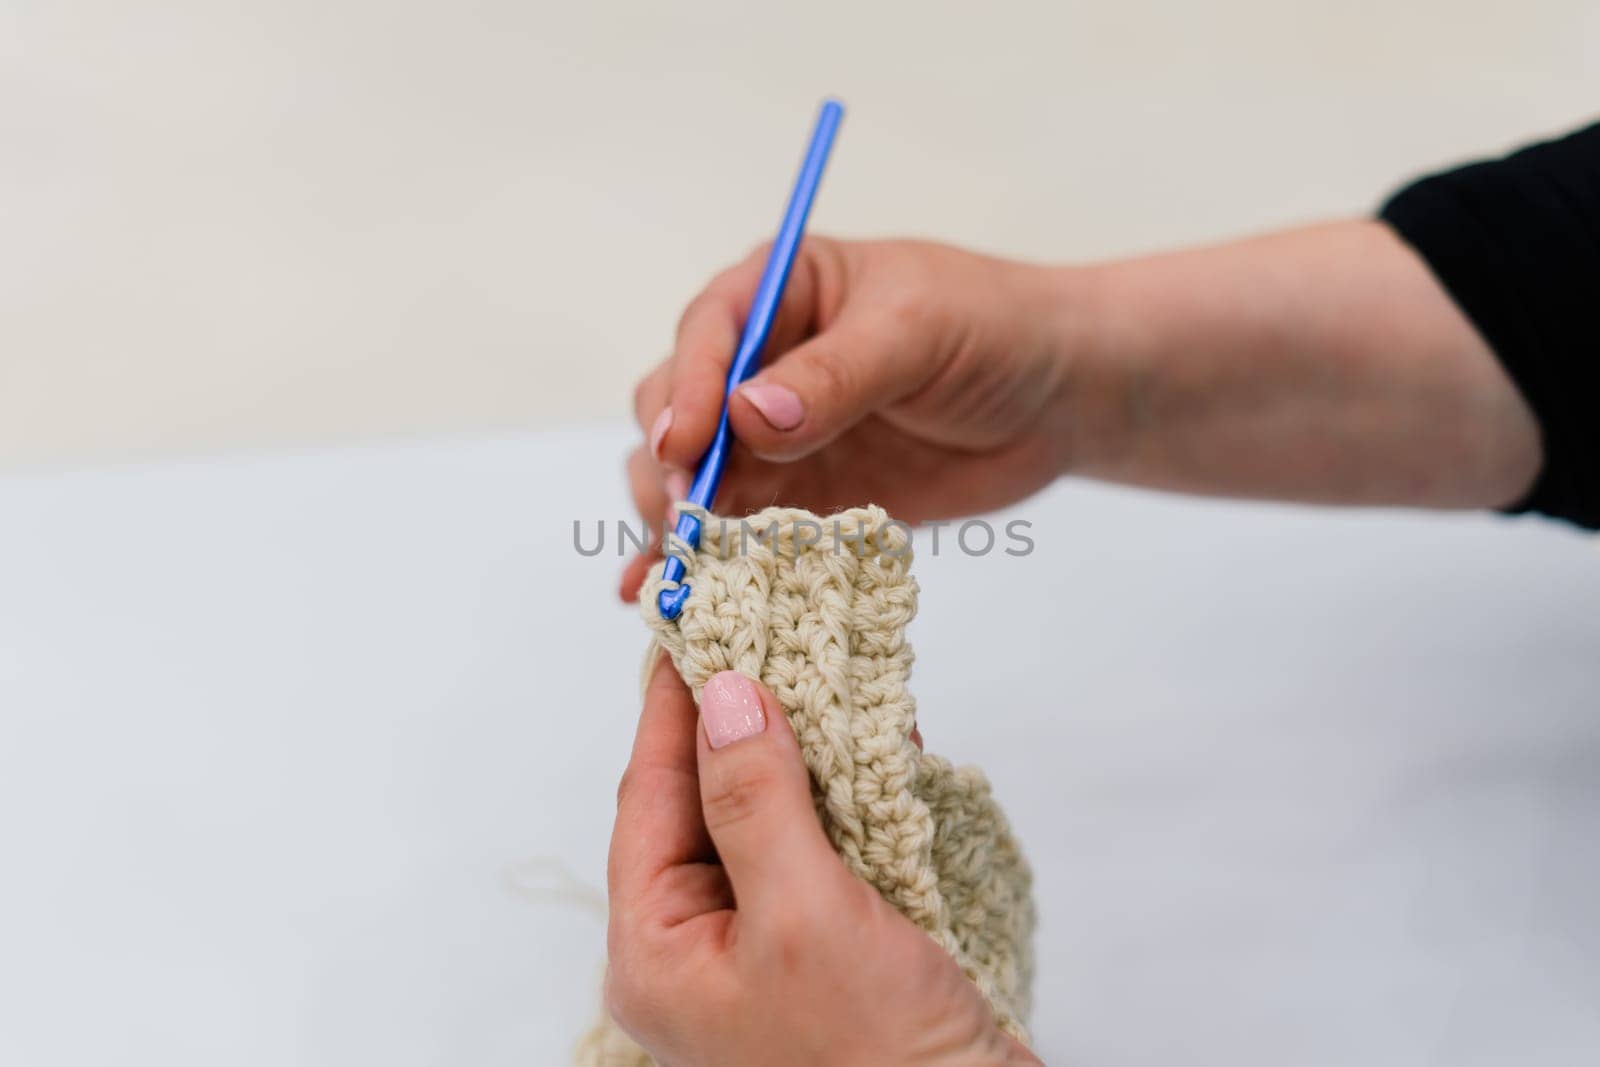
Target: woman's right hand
column 932, row 381
column 1323, row 364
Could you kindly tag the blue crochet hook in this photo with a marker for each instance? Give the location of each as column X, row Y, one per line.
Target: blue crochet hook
column 756, row 328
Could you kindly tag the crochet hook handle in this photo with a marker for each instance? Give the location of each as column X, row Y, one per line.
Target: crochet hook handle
column 756, row 328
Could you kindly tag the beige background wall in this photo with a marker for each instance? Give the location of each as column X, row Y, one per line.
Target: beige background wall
column 302, row 221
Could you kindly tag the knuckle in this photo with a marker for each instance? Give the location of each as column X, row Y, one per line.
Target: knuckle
column 804, row 935
column 643, row 785
column 831, row 259
column 652, row 507
column 835, row 379
column 643, row 390
column 624, row 1000
column 645, row 501
column 626, row 786
column 903, row 305
column 735, row 795
column 644, row 476
column 758, row 253
column 695, row 309
column 638, row 462
column 731, row 279
column 642, row 990
column 801, row 941
column 820, row 244
column 790, row 934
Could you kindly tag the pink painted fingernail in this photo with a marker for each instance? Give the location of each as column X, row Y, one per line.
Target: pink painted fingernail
column 658, row 431
column 730, row 705
column 678, row 486
column 778, row 405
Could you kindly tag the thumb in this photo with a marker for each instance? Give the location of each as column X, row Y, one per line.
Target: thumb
column 812, row 394
column 756, row 794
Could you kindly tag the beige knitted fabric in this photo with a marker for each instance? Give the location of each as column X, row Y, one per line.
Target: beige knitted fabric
column 816, row 608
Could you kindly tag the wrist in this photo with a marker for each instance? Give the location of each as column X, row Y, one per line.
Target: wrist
column 1090, row 409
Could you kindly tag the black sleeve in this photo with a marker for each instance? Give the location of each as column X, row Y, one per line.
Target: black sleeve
column 1516, row 243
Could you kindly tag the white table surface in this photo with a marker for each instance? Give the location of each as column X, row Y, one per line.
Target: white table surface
column 289, row 743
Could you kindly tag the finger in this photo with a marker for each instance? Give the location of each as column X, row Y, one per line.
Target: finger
column 647, row 482
column 659, row 823
column 697, row 372
column 634, row 572
column 650, row 499
column 655, row 492
column 825, row 386
column 650, row 403
column 756, row 796
column 655, row 417
column 708, row 336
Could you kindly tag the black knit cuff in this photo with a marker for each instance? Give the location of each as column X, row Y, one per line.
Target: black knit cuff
column 1516, row 244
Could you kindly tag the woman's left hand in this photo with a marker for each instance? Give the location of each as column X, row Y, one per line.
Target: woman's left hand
column 737, row 936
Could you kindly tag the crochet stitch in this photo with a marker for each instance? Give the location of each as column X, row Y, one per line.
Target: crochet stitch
column 816, row 608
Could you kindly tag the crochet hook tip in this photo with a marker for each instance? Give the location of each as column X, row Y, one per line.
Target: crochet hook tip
column 671, row 601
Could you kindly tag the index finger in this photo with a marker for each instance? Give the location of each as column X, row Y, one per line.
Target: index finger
column 709, row 333
column 659, row 820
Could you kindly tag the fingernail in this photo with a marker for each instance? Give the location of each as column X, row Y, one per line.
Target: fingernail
column 778, row 405
column 731, row 708
column 658, row 431
column 678, row 486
